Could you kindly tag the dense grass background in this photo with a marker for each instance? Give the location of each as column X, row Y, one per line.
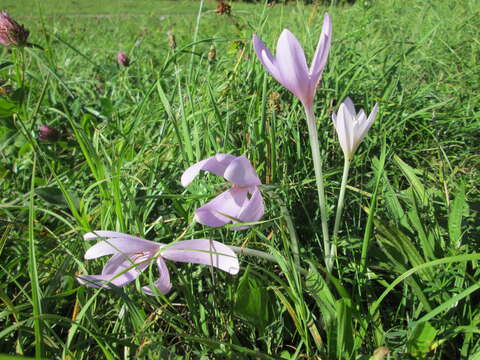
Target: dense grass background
column 128, row 133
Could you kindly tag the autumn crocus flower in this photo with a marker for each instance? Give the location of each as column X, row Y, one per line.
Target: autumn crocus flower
column 242, row 203
column 352, row 127
column 131, row 255
column 123, row 59
column 289, row 66
column 11, row 32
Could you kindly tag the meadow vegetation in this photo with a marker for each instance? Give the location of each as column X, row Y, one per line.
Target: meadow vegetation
column 128, row 133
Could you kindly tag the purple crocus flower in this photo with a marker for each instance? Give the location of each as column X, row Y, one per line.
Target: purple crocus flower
column 352, row 127
column 11, row 32
column 242, row 203
column 289, row 66
column 122, row 59
column 132, row 255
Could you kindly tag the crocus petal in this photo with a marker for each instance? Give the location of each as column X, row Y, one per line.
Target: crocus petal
column 203, row 251
column 216, row 164
column 163, row 283
column 123, row 245
column 109, row 234
column 367, row 124
column 343, row 129
column 228, row 203
column 105, row 280
column 266, row 58
column 350, row 107
column 292, row 66
column 252, row 210
column 241, row 172
column 321, row 53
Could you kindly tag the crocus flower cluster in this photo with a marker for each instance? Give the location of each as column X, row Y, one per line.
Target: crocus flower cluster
column 11, row 32
column 131, row 255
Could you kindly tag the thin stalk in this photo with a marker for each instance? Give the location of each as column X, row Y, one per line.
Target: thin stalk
column 341, row 202
column 317, row 164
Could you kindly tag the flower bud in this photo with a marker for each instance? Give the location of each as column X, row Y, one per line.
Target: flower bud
column 48, row 133
column 123, row 59
column 12, row 33
column 223, row 8
column 212, row 54
column 171, row 40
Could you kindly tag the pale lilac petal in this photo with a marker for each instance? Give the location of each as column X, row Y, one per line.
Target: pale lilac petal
column 203, row 251
column 266, row 58
column 108, row 234
column 241, row 172
column 350, row 107
column 343, row 130
column 252, row 210
column 228, row 203
column 122, row 245
column 216, row 164
column 292, row 66
column 321, row 53
column 105, row 280
column 367, row 124
column 163, row 283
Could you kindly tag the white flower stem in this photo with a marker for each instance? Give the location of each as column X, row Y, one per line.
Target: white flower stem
column 341, row 202
column 317, row 164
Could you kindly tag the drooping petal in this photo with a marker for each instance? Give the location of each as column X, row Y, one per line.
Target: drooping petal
column 203, row 251
column 252, row 209
column 241, row 172
column 228, row 203
column 292, row 66
column 105, row 280
column 266, row 58
column 321, row 53
column 109, row 234
column 163, row 283
column 216, row 164
column 123, row 245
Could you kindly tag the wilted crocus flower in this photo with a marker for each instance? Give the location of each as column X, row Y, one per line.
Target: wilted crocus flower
column 289, row 66
column 243, row 202
column 11, row 32
column 48, row 133
column 132, row 255
column 352, row 127
column 123, row 59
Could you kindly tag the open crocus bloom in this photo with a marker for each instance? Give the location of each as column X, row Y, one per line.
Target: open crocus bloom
column 289, row 66
column 131, row 255
column 352, row 127
column 242, row 203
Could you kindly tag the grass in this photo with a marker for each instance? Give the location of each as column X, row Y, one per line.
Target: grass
column 128, row 134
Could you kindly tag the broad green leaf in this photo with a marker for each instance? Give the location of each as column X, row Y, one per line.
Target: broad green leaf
column 54, row 195
column 252, row 301
column 344, row 329
column 318, row 289
column 455, row 216
column 421, row 338
column 414, row 181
